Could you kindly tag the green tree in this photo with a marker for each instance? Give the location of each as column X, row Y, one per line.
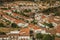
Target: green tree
column 31, row 33
column 16, row 11
column 27, row 10
column 14, row 25
column 48, row 37
column 39, row 36
column 2, row 25
column 34, row 21
column 50, row 25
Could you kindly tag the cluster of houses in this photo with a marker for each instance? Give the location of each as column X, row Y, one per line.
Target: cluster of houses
column 25, row 32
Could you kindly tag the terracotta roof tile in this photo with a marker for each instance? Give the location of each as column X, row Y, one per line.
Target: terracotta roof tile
column 58, row 29
column 34, row 26
column 24, row 32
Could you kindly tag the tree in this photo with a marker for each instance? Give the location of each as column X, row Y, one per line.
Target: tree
column 27, row 21
column 16, row 11
column 14, row 25
column 27, row 10
column 31, row 33
column 2, row 25
column 48, row 37
column 34, row 21
column 55, row 10
column 39, row 36
column 50, row 25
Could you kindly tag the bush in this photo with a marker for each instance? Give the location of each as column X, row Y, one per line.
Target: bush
column 14, row 25
column 31, row 33
column 27, row 10
column 34, row 21
column 48, row 37
column 39, row 36
column 15, row 11
column 2, row 25
column 50, row 25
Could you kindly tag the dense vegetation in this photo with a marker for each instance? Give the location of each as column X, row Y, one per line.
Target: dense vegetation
column 40, row 36
column 55, row 10
column 13, row 25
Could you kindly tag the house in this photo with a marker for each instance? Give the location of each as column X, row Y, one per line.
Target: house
column 13, row 35
column 58, row 30
column 4, row 37
column 24, row 34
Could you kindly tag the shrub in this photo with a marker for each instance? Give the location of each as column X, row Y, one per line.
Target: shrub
column 50, row 25
column 14, row 25
column 39, row 36
column 48, row 37
column 2, row 25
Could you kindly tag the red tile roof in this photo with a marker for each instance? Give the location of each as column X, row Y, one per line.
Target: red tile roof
column 35, row 27
column 43, row 16
column 24, row 32
column 58, row 29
